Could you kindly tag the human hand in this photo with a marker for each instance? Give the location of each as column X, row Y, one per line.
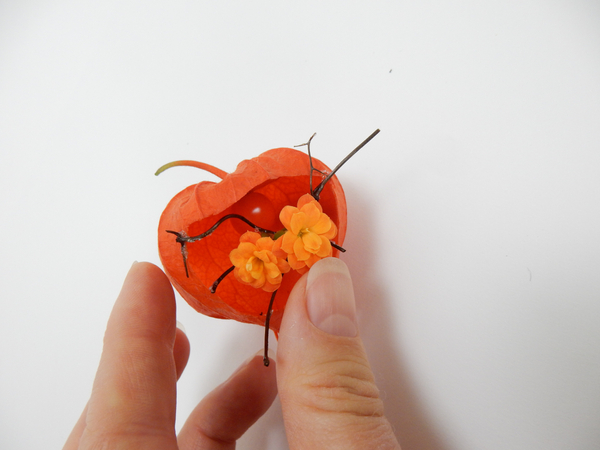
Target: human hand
column 328, row 395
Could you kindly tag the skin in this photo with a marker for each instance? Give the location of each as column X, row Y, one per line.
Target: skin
column 328, row 395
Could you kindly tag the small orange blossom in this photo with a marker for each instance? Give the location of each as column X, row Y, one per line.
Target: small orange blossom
column 309, row 230
column 259, row 261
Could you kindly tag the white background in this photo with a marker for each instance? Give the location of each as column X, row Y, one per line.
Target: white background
column 474, row 216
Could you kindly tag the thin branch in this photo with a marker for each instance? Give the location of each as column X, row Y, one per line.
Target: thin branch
column 317, row 192
column 334, row 245
column 312, row 168
column 267, row 322
column 183, row 251
column 214, row 286
column 183, row 239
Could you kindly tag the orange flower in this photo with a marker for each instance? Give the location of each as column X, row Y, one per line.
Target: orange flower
column 309, row 230
column 259, row 261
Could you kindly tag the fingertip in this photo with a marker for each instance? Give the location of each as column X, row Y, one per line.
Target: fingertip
column 146, row 302
column 150, row 273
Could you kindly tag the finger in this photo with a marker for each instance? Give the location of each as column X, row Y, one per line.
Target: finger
column 73, row 439
column 181, row 352
column 225, row 414
column 327, row 389
column 133, row 397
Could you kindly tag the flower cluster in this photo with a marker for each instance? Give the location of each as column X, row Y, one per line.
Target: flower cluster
column 308, row 235
column 261, row 261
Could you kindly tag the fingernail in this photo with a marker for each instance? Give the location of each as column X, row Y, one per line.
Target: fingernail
column 330, row 298
column 180, row 326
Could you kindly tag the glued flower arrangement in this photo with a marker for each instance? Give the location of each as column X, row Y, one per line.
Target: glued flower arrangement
column 247, row 224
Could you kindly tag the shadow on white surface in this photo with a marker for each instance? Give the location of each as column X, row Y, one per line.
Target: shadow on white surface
column 374, row 304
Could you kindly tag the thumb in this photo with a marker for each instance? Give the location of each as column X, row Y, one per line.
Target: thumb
column 327, row 389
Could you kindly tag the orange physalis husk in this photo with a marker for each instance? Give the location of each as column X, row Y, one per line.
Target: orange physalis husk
column 259, row 261
column 308, row 235
column 275, row 179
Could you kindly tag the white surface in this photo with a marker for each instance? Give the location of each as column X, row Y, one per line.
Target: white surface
column 474, row 216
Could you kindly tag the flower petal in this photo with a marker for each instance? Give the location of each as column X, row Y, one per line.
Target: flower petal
column 243, row 275
column 259, row 282
column 332, row 232
column 298, row 223
column 272, row 271
column 311, row 242
column 285, row 216
column 250, row 236
column 313, row 259
column 323, row 225
column 288, row 241
column 295, row 264
column 277, row 250
column 300, row 251
column 313, row 214
column 265, row 243
column 240, row 255
column 256, row 267
column 236, row 257
column 307, row 198
column 262, row 255
column 283, row 265
column 325, row 251
column 270, row 287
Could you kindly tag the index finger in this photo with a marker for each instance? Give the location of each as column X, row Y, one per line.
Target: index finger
column 134, row 394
